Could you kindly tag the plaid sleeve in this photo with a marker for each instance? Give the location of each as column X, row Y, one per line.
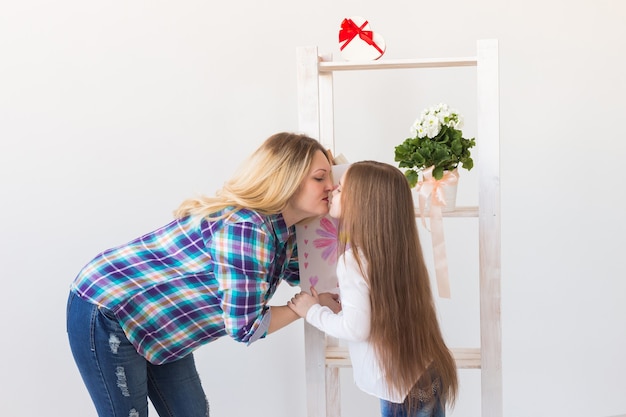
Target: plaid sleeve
column 292, row 271
column 242, row 253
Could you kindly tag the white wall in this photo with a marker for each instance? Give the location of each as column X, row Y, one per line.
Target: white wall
column 112, row 112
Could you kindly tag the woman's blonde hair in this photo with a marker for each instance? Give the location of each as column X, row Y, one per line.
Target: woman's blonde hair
column 378, row 223
column 265, row 181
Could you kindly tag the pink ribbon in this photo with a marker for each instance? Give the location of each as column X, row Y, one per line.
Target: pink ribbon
column 430, row 188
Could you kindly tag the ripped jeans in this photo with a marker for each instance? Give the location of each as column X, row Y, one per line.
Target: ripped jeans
column 119, row 380
column 424, row 400
column 434, row 408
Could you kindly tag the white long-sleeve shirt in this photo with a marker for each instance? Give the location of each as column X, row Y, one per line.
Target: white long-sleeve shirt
column 352, row 324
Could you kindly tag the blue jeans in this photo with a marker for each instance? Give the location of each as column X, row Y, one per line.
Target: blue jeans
column 433, row 408
column 119, row 380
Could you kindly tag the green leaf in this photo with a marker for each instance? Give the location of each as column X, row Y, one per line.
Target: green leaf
column 418, row 159
column 456, row 146
column 468, row 163
column 456, row 134
column 411, row 176
column 438, row 173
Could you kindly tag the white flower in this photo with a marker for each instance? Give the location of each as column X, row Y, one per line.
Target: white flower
column 433, row 118
column 441, row 111
column 431, row 125
column 415, row 129
column 442, row 107
column 456, row 121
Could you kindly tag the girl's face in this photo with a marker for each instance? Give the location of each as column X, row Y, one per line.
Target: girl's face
column 311, row 200
column 335, row 203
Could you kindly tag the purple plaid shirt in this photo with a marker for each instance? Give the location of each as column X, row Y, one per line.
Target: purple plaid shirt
column 193, row 281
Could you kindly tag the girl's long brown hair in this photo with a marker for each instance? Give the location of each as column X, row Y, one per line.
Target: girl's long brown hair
column 378, row 223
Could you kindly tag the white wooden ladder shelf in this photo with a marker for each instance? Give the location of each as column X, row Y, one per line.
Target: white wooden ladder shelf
column 315, row 116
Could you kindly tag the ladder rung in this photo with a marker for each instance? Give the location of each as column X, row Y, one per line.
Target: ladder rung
column 329, row 66
column 457, row 212
column 338, row 357
column 466, row 358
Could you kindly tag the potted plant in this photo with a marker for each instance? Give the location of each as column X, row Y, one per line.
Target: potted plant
column 437, row 141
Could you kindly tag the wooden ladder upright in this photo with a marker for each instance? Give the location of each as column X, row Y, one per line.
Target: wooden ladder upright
column 323, row 355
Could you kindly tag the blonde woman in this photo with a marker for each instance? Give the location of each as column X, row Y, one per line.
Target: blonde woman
column 136, row 312
column 388, row 315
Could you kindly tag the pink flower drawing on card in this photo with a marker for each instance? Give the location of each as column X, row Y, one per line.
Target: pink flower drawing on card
column 328, row 241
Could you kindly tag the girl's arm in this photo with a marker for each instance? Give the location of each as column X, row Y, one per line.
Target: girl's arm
column 353, row 322
column 330, row 300
column 302, row 302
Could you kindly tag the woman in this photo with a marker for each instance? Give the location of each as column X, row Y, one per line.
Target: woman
column 137, row 311
column 388, row 314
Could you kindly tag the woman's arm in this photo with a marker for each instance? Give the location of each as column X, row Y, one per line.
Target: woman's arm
column 280, row 317
column 242, row 253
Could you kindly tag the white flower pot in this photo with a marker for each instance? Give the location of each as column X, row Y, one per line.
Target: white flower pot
column 449, row 191
column 447, row 195
column 450, row 197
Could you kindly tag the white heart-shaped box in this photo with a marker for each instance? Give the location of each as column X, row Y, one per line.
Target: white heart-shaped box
column 358, row 42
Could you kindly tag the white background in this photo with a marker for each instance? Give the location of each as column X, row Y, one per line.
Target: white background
column 113, row 112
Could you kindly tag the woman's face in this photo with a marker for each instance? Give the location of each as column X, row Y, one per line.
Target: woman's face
column 335, row 203
column 311, row 199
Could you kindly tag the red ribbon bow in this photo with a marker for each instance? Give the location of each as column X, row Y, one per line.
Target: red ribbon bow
column 349, row 30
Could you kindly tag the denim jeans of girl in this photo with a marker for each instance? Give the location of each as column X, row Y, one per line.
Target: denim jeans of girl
column 119, row 380
column 433, row 408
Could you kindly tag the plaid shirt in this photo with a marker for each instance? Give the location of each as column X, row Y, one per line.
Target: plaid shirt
column 191, row 282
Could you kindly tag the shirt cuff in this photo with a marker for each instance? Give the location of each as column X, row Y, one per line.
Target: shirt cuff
column 264, row 326
column 313, row 315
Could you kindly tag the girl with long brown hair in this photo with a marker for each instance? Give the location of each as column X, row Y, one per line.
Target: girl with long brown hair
column 388, row 314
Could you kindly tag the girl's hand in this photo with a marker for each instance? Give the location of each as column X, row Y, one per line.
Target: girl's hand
column 329, row 300
column 301, row 302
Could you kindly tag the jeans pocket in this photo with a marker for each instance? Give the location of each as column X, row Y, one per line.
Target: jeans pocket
column 108, row 319
column 107, row 313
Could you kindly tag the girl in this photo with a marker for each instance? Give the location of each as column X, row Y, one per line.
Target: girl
column 388, row 314
column 137, row 311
